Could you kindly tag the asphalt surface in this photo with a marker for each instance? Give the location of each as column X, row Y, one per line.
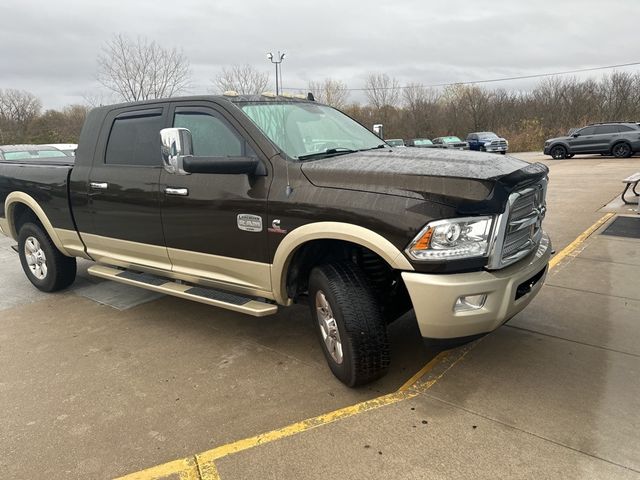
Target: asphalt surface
column 104, row 380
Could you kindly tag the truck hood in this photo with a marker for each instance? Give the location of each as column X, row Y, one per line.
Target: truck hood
column 451, row 177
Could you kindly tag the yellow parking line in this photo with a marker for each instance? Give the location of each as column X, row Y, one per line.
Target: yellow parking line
column 568, row 250
column 423, row 371
column 202, row 466
column 185, row 468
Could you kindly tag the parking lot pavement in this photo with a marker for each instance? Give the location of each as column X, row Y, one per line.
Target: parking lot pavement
column 105, row 379
column 92, row 391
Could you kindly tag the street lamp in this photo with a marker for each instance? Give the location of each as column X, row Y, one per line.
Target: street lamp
column 277, row 61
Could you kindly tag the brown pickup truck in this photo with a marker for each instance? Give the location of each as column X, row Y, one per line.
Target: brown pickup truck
column 252, row 203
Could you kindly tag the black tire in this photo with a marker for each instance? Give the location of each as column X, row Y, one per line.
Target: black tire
column 361, row 329
column 621, row 150
column 558, row 152
column 503, row 152
column 59, row 270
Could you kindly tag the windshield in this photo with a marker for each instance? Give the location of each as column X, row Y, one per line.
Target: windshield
column 301, row 129
column 395, row 142
column 450, row 139
column 32, row 154
column 422, row 141
column 487, row 136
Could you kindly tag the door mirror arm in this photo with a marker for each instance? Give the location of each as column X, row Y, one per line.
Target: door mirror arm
column 225, row 165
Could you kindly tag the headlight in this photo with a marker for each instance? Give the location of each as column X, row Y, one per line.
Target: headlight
column 452, row 239
column 486, row 144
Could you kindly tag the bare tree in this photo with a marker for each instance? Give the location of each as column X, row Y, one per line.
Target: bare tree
column 19, row 106
column 142, row 69
column 382, row 90
column 332, row 92
column 243, row 79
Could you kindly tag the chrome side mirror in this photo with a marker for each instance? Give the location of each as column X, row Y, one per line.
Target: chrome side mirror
column 176, row 145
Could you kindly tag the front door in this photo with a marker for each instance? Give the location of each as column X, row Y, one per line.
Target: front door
column 215, row 224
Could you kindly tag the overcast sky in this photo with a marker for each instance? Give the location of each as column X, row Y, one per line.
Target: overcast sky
column 49, row 47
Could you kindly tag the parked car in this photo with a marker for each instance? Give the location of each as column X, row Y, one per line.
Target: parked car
column 220, row 200
column 29, row 152
column 620, row 139
column 450, row 142
column 487, row 142
column 396, row 142
column 67, row 148
column 420, row 142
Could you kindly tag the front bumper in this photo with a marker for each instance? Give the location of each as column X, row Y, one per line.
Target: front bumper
column 434, row 296
column 494, row 149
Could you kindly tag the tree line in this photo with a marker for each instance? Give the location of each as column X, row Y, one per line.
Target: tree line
column 140, row 69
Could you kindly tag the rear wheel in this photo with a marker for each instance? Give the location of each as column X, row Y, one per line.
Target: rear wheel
column 43, row 264
column 558, row 152
column 349, row 322
column 621, row 150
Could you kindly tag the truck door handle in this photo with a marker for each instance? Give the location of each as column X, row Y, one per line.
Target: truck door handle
column 99, row 185
column 183, row 192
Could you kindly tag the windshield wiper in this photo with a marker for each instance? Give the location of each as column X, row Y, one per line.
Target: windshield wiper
column 382, row 145
column 328, row 151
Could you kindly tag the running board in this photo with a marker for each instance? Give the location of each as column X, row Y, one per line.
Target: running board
column 209, row 296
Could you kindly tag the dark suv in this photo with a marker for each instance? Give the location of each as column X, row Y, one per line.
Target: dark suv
column 620, row 139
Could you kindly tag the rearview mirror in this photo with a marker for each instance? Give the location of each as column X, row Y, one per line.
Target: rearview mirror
column 176, row 145
column 575, row 135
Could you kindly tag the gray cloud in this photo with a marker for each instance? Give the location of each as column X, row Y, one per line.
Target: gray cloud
column 50, row 47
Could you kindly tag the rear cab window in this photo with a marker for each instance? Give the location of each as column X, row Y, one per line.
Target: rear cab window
column 134, row 139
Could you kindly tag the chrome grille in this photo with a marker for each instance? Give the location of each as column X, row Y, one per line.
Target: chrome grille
column 519, row 229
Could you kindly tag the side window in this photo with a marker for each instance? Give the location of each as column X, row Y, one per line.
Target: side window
column 135, row 140
column 212, row 136
column 586, row 131
column 602, row 129
column 624, row 128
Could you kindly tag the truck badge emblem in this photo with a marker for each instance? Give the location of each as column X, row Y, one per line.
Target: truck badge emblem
column 249, row 223
column 275, row 227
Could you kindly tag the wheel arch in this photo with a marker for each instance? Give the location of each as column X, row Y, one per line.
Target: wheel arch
column 19, row 203
column 620, row 141
column 345, row 232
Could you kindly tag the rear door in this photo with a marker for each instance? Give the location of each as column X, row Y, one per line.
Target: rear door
column 215, row 224
column 603, row 137
column 124, row 200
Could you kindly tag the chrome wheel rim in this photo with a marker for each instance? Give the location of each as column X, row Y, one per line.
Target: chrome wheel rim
column 328, row 327
column 36, row 259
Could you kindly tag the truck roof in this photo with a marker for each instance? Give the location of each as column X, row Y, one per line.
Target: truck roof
column 232, row 97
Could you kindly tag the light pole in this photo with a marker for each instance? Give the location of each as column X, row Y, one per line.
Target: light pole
column 277, row 61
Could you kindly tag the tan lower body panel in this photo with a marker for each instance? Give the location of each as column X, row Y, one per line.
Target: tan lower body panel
column 252, row 307
column 126, row 254
column 71, row 242
column 225, row 273
column 4, row 227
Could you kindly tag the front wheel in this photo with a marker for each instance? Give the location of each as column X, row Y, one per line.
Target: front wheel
column 558, row 152
column 349, row 323
column 43, row 264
